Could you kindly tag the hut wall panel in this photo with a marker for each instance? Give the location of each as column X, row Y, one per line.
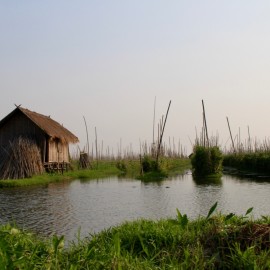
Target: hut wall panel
column 65, row 154
column 58, row 152
column 52, row 151
column 18, row 126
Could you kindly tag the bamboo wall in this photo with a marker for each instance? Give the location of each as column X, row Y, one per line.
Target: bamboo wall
column 58, row 151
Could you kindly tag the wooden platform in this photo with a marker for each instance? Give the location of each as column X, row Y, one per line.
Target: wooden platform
column 58, row 167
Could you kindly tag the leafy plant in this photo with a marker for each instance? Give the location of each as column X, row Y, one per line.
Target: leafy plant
column 213, row 242
column 229, row 216
column 182, row 219
column 212, row 209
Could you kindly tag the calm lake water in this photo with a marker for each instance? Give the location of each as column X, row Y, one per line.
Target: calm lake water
column 93, row 205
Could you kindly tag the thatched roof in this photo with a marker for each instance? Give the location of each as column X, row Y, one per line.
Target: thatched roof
column 50, row 127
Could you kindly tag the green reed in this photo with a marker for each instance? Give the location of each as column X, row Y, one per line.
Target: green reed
column 258, row 161
column 250, row 154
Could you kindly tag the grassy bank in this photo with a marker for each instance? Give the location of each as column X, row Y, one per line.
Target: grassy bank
column 129, row 168
column 103, row 169
column 218, row 242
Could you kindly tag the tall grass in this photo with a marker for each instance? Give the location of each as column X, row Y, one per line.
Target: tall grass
column 251, row 155
column 256, row 161
column 170, row 148
column 211, row 242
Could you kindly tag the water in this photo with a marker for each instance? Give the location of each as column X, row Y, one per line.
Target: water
column 93, row 205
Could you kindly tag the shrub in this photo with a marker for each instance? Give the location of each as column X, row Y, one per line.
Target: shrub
column 206, row 160
column 149, row 164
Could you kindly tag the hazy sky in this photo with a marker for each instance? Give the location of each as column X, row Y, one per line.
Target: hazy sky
column 107, row 60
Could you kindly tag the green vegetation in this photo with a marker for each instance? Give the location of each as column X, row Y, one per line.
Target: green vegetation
column 258, row 161
column 206, row 160
column 148, row 170
column 127, row 167
column 249, row 155
column 212, row 242
column 151, row 169
column 104, row 169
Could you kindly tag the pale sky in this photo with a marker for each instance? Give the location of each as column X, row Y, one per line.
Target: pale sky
column 107, row 60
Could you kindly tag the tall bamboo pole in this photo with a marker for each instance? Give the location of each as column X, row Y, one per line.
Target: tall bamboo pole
column 86, row 136
column 154, row 120
column 162, row 132
column 230, row 134
column 96, row 145
column 205, row 125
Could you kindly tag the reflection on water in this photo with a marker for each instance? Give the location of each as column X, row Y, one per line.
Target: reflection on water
column 207, row 180
column 64, row 208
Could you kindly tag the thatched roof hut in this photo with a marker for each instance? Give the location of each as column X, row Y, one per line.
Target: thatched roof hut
column 51, row 138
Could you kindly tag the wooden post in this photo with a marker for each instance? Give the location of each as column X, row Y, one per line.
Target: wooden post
column 205, row 125
column 154, row 121
column 96, row 146
column 162, row 132
column 230, row 134
column 86, row 135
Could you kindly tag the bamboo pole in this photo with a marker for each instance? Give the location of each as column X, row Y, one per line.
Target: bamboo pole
column 154, row 120
column 205, row 125
column 203, row 133
column 231, row 134
column 96, row 145
column 86, row 135
column 162, row 132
